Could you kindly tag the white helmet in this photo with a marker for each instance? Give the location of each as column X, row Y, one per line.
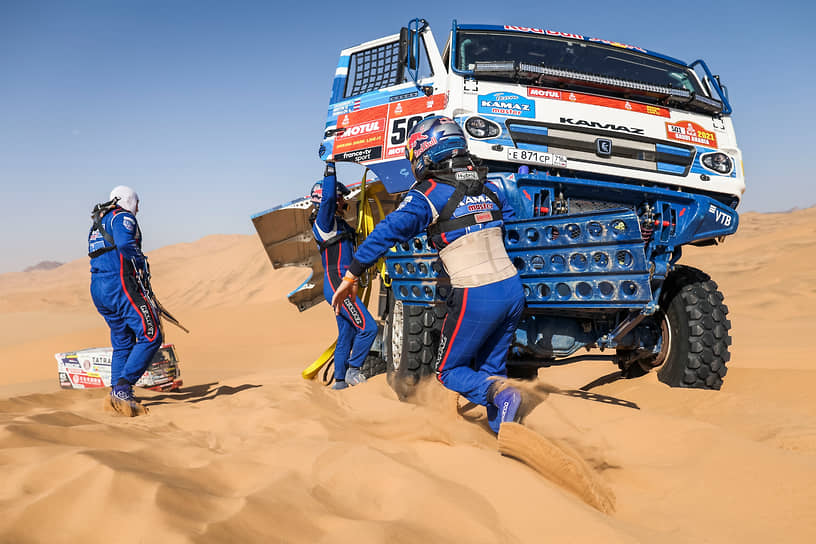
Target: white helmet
column 128, row 199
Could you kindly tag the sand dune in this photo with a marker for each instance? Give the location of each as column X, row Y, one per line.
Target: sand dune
column 248, row 451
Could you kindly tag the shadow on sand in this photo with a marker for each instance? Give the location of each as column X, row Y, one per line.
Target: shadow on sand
column 197, row 393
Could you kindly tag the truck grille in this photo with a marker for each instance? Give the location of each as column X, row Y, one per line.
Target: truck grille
column 578, row 143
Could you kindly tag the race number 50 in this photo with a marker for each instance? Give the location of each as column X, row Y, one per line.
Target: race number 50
column 401, row 127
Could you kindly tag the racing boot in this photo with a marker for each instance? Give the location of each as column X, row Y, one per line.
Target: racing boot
column 505, row 401
column 354, row 376
column 123, row 402
column 339, row 384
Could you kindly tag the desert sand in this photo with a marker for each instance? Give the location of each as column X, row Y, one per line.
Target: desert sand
column 248, row 451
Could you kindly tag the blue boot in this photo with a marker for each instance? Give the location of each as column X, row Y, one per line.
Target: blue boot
column 354, row 376
column 506, row 403
column 123, row 402
column 339, row 384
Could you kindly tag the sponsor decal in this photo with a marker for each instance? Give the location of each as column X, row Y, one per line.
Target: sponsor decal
column 573, row 36
column 71, row 360
column 467, row 175
column 339, row 109
column 86, row 381
column 597, row 124
column 618, row 44
column 580, row 98
column 721, row 217
column 403, row 116
column 483, row 217
column 511, row 105
column 403, row 96
column 443, row 344
column 352, row 310
column 148, row 319
column 361, row 155
column 690, row 132
column 86, row 364
column 361, row 129
column 379, row 132
column 129, row 223
column 543, row 31
column 480, row 207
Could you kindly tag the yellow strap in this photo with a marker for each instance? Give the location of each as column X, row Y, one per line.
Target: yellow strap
column 312, row 370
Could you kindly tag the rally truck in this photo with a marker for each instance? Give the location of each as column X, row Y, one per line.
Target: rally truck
column 613, row 157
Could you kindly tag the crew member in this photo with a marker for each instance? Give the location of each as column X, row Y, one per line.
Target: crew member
column 121, row 294
column 464, row 215
column 356, row 328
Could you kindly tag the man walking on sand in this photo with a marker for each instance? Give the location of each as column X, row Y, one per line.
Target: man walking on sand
column 463, row 214
column 119, row 292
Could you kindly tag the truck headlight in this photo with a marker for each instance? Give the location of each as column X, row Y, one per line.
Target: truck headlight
column 717, row 162
column 481, row 128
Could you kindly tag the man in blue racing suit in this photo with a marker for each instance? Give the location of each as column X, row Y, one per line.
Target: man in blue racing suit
column 356, row 328
column 463, row 214
column 118, row 276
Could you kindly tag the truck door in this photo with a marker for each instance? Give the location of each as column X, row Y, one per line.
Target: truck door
column 381, row 90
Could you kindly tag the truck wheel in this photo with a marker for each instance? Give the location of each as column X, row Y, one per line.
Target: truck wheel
column 373, row 365
column 411, row 337
column 695, row 331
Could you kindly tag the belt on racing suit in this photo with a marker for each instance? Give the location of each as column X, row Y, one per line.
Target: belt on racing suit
column 477, row 259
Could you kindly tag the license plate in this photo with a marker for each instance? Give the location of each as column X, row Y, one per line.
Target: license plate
column 536, row 157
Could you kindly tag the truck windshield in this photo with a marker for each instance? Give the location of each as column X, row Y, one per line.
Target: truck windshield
column 559, row 58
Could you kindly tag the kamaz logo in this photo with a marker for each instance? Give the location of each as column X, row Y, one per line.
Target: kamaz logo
column 505, row 105
column 596, row 124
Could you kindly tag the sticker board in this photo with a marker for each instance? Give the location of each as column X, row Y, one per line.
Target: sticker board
column 91, row 368
column 379, row 132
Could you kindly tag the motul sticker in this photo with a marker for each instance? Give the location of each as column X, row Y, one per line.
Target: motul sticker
column 689, row 132
column 580, row 98
column 483, row 217
column 362, row 129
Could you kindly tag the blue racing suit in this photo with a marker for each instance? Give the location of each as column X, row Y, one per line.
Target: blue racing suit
column 356, row 328
column 483, row 308
column 116, row 254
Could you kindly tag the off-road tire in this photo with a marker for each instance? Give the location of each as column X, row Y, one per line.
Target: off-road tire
column 695, row 331
column 373, row 365
column 411, row 341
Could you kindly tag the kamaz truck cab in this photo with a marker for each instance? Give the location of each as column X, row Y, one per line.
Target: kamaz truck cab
column 613, row 157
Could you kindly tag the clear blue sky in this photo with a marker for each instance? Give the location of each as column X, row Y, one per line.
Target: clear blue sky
column 213, row 111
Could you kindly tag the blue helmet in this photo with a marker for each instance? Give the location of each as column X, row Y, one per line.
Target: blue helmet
column 432, row 141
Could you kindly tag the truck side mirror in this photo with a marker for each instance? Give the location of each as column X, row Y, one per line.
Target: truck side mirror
column 406, row 48
column 723, row 87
